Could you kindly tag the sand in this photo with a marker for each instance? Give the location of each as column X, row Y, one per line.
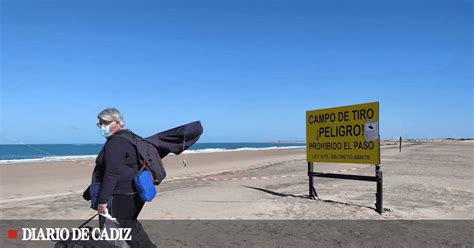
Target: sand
column 427, row 180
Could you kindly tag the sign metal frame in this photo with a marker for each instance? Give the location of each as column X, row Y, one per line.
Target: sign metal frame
column 378, row 178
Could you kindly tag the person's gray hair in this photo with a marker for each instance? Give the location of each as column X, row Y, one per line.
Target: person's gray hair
column 111, row 114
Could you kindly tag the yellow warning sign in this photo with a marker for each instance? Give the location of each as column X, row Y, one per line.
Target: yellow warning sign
column 348, row 134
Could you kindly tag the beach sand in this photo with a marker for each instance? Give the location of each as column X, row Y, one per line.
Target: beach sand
column 427, row 180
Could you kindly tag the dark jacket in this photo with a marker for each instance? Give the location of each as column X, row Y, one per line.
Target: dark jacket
column 116, row 166
column 117, row 162
column 176, row 140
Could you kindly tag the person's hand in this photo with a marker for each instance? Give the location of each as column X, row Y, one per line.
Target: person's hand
column 102, row 208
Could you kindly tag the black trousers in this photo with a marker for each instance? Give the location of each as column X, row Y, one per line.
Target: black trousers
column 125, row 208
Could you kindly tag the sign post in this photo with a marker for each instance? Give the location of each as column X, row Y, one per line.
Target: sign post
column 400, row 143
column 312, row 190
column 379, row 194
column 348, row 134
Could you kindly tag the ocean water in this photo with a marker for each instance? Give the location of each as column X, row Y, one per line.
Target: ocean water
column 51, row 152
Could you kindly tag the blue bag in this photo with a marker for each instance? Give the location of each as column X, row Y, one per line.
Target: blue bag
column 94, row 190
column 144, row 185
column 94, row 193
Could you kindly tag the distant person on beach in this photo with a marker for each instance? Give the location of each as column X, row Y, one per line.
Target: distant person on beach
column 116, row 166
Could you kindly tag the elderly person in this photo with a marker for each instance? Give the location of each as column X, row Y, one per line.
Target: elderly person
column 116, row 166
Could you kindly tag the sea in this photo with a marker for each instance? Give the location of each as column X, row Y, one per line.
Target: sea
column 11, row 154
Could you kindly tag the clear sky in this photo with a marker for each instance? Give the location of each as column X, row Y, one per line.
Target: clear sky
column 247, row 69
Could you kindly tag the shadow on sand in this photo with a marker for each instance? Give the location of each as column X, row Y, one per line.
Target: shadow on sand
column 307, row 197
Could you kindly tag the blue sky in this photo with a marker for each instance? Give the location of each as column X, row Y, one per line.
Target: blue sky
column 247, row 69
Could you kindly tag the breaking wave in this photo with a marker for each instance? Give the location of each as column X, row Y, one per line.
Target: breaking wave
column 89, row 157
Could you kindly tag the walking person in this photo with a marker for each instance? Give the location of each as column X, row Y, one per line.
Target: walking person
column 116, row 166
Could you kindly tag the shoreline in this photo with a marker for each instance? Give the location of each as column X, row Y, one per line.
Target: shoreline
column 75, row 158
column 17, row 179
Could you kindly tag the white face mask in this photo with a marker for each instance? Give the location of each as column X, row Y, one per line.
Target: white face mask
column 104, row 131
